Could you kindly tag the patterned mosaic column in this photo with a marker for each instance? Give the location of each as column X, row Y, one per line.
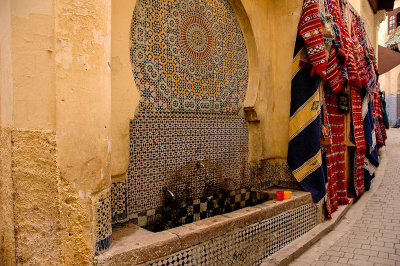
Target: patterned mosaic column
column 102, row 214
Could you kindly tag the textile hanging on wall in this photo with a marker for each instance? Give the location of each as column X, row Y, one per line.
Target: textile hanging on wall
column 359, row 155
column 371, row 154
column 304, row 154
column 379, row 116
column 310, row 28
column 336, row 153
column 351, row 62
column 333, row 73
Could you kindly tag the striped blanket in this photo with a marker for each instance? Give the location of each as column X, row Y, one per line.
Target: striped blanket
column 304, row 153
column 371, row 153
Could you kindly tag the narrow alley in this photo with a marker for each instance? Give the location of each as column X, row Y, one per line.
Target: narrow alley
column 369, row 234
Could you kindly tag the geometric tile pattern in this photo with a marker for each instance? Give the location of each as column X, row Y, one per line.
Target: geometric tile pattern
column 189, row 56
column 165, row 151
column 188, row 155
column 204, row 207
column 103, row 228
column 250, row 245
column 118, row 201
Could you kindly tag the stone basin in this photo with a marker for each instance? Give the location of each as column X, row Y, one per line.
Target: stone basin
column 134, row 245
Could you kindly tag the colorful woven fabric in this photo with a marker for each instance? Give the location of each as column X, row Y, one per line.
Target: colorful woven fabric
column 334, row 7
column 371, row 77
column 359, row 52
column 358, row 172
column 336, row 153
column 371, row 153
column 333, row 74
column 352, row 70
column 304, row 153
column 379, row 116
column 359, row 155
column 384, row 111
column 310, row 28
column 358, row 127
column 331, row 202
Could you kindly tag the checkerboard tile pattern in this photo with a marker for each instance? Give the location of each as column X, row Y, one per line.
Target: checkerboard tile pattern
column 202, row 208
column 250, row 245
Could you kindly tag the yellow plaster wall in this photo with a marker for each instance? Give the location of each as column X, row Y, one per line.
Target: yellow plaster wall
column 83, row 111
column 390, row 81
column 124, row 94
column 6, row 80
column 274, row 24
column 32, row 38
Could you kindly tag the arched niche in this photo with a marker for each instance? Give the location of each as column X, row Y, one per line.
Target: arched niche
column 167, row 143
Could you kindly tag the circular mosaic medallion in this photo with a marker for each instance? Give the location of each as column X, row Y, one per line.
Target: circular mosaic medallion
column 188, row 56
column 196, row 37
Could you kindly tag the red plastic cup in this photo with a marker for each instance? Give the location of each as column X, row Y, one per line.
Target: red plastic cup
column 280, row 194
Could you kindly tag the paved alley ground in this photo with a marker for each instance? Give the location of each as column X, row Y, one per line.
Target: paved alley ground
column 369, row 234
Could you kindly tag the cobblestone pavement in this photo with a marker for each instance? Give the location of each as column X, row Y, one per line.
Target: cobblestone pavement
column 369, row 234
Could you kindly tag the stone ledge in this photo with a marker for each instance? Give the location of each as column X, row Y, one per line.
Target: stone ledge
column 134, row 245
column 293, row 250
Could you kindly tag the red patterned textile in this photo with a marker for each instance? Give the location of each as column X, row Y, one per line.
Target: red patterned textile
column 358, row 171
column 380, row 129
column 335, row 8
column 331, row 191
column 359, row 155
column 310, row 28
column 333, row 74
column 336, row 171
column 383, row 131
column 358, row 126
column 359, row 52
column 352, row 70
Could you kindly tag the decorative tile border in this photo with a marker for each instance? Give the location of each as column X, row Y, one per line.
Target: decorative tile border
column 250, row 245
column 103, row 228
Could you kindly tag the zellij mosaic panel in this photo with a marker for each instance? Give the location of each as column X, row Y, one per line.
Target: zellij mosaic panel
column 189, row 62
column 188, row 56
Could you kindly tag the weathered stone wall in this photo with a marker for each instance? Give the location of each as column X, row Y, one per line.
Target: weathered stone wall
column 7, row 240
column 36, row 200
